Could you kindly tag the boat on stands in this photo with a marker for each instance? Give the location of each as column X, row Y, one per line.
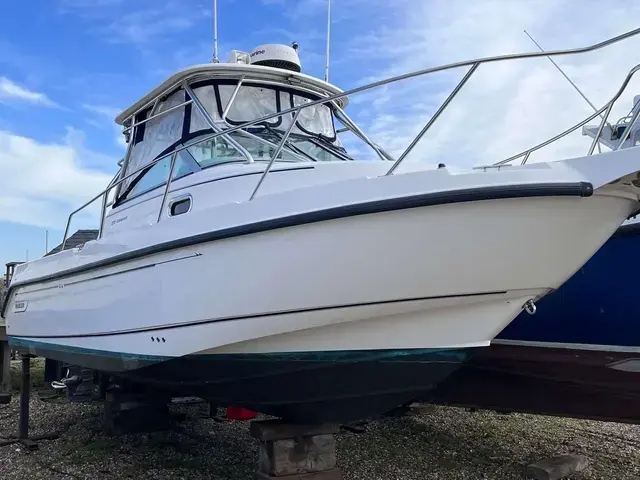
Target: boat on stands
column 580, row 355
column 246, row 257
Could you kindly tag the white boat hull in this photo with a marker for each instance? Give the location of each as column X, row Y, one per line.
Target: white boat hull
column 450, row 276
column 235, row 301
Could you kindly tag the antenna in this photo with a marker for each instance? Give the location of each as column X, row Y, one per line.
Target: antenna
column 46, row 242
column 568, row 79
column 326, row 68
column 215, row 31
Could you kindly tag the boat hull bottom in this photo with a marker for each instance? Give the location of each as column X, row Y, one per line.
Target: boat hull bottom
column 309, row 387
column 581, row 383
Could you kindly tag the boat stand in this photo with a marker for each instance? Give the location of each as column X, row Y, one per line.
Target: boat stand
column 5, row 368
column 296, row 452
column 134, row 412
column 25, row 391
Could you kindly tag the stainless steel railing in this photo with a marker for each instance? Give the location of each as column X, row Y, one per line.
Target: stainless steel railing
column 332, row 99
column 606, row 108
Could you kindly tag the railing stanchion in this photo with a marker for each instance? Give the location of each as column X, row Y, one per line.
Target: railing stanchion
column 433, row 119
column 127, row 156
column 232, row 99
column 351, row 125
column 103, row 211
column 604, row 120
column 276, row 153
column 166, row 188
column 627, row 131
column 66, row 230
column 203, row 111
column 247, row 133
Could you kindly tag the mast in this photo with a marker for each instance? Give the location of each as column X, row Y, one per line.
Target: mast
column 326, row 68
column 215, row 31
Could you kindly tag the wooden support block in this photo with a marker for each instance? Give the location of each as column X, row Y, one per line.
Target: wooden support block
column 556, row 467
column 296, row 452
column 293, row 456
column 207, row 409
column 134, row 413
column 5, row 398
column 276, row 429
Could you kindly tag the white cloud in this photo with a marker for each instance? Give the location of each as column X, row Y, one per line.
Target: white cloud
column 10, row 90
column 141, row 23
column 43, row 183
column 107, row 116
column 505, row 107
column 154, row 24
column 104, row 110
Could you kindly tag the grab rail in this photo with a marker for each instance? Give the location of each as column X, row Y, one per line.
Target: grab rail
column 474, row 64
column 435, row 117
column 608, row 106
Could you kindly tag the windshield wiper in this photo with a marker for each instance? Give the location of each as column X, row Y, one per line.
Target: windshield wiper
column 292, row 146
column 326, row 145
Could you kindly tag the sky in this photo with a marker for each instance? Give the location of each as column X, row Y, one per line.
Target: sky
column 67, row 67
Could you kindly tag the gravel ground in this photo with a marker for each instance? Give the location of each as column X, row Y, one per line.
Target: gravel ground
column 441, row 443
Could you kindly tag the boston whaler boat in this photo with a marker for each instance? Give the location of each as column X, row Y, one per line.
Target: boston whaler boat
column 246, row 258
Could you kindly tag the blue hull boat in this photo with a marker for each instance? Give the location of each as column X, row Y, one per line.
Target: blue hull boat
column 578, row 356
column 596, row 309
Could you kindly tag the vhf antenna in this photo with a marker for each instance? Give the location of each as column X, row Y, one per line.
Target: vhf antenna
column 215, row 31
column 326, row 68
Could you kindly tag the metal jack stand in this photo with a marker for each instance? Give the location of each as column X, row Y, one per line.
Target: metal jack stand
column 25, row 388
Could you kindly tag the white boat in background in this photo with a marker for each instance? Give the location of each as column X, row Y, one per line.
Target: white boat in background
column 247, row 259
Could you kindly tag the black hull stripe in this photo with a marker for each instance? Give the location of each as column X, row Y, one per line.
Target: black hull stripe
column 574, row 189
column 263, row 315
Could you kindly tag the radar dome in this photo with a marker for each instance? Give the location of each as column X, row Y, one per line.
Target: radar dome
column 277, row 56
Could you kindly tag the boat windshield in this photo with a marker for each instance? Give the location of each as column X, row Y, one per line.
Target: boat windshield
column 262, row 146
column 313, row 136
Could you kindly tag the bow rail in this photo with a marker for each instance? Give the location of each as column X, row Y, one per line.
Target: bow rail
column 333, row 101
